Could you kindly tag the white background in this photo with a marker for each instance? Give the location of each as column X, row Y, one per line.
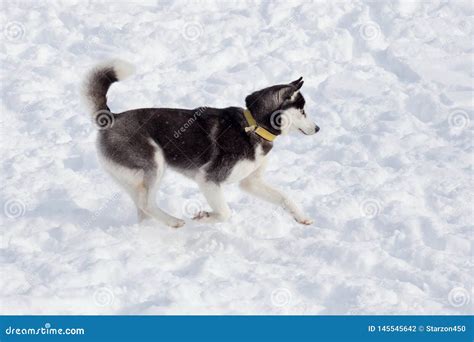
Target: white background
column 388, row 180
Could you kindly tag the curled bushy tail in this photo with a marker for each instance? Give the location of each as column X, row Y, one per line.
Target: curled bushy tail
column 100, row 78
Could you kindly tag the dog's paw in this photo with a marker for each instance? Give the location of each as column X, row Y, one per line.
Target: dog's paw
column 176, row 223
column 202, row 215
column 211, row 217
column 305, row 221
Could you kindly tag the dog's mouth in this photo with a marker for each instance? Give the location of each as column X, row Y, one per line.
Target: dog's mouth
column 303, row 131
column 316, row 130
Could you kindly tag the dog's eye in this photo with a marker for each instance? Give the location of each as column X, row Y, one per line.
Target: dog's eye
column 303, row 113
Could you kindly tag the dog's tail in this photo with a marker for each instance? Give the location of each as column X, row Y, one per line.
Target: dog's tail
column 100, row 78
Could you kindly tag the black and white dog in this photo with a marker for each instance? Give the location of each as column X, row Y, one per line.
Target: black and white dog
column 210, row 145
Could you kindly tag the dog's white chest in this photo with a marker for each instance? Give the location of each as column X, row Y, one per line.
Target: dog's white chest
column 244, row 168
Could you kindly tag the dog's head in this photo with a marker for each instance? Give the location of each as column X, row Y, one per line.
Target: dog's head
column 280, row 108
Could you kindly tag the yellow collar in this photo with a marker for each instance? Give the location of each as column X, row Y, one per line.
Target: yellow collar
column 254, row 127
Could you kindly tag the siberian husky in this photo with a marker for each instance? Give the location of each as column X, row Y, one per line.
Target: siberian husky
column 213, row 146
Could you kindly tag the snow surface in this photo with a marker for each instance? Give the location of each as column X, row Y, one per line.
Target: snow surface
column 388, row 180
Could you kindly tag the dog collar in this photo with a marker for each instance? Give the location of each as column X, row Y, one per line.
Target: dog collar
column 254, row 127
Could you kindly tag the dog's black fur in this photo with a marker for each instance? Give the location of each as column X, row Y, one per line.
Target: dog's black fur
column 215, row 136
column 210, row 145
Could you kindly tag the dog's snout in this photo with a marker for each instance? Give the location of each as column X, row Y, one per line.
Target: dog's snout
column 316, row 129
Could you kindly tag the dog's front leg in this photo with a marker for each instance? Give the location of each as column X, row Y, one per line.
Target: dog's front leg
column 215, row 198
column 254, row 185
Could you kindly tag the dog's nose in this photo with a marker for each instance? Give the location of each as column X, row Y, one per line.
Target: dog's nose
column 316, row 129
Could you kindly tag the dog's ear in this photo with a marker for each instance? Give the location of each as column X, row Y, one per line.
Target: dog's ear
column 298, row 83
column 268, row 100
column 285, row 93
column 295, row 82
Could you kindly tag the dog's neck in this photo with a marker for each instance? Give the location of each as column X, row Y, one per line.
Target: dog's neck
column 258, row 128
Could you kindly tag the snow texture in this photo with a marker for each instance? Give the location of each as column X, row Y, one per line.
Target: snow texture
column 388, row 179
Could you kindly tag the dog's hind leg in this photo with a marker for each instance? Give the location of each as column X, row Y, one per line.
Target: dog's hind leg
column 215, row 198
column 146, row 198
column 142, row 185
column 146, row 190
column 142, row 215
column 135, row 194
column 128, row 179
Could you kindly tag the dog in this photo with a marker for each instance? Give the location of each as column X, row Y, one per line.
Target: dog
column 213, row 146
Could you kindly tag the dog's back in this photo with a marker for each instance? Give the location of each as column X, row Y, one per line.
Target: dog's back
column 188, row 139
column 210, row 145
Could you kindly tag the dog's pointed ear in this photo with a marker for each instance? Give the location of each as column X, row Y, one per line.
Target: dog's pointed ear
column 295, row 82
column 298, row 83
column 285, row 93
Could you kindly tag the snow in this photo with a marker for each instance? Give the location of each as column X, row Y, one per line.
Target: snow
column 388, row 179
